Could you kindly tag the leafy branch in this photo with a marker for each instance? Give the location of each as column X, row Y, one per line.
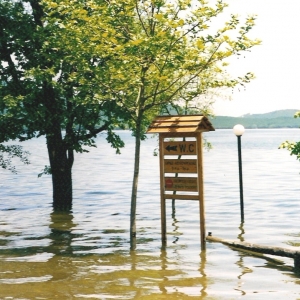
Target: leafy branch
column 8, row 153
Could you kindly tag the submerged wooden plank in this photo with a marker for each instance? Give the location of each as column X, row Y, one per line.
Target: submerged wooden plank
column 256, row 248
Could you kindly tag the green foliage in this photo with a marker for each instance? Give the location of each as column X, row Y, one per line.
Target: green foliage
column 151, row 53
column 292, row 147
column 45, row 171
column 87, row 65
column 115, row 140
column 171, row 55
column 8, row 153
column 46, row 81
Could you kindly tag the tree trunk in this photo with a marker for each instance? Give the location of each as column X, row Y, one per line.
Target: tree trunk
column 61, row 162
column 61, row 156
column 134, row 188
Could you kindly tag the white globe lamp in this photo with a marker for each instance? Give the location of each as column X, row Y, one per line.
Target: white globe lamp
column 238, row 130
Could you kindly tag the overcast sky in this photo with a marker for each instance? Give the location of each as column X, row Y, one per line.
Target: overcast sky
column 275, row 63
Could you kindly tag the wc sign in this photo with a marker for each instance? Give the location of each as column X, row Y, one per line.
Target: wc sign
column 175, row 166
column 180, row 148
column 180, row 159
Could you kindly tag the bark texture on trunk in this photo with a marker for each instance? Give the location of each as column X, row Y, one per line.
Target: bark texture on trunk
column 61, row 162
column 61, row 156
column 134, row 190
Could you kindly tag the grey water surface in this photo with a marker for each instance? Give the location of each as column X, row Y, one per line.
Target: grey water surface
column 85, row 254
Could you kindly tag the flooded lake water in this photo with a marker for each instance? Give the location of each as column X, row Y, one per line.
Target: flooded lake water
column 85, row 254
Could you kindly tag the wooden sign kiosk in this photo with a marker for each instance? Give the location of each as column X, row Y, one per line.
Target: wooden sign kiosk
column 181, row 136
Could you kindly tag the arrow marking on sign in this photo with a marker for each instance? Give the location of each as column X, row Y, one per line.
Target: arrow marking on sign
column 173, row 148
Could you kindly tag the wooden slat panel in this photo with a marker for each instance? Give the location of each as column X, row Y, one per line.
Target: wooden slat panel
column 173, row 124
column 178, row 129
column 179, row 134
column 180, row 165
column 171, row 129
column 180, row 148
column 182, row 197
column 180, row 118
column 188, row 123
column 188, row 184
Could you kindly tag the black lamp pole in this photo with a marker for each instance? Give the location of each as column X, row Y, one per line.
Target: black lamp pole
column 239, row 130
column 241, row 177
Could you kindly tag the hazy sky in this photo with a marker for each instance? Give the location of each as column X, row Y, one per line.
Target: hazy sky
column 275, row 63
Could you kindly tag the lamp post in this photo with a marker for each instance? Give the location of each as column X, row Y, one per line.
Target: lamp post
column 238, row 131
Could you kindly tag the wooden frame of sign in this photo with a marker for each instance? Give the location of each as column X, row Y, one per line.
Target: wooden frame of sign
column 181, row 135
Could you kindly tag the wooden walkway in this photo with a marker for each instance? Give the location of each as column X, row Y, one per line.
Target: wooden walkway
column 260, row 249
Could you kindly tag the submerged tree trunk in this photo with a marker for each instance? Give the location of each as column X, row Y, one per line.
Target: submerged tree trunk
column 61, row 162
column 134, row 188
column 61, row 156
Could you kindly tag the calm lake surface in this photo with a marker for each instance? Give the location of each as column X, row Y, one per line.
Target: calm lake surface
column 85, row 254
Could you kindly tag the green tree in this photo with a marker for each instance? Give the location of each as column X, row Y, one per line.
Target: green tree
column 156, row 53
column 47, row 89
column 292, row 147
column 166, row 52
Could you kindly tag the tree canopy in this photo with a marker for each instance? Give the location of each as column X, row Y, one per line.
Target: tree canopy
column 73, row 68
column 46, row 89
column 155, row 53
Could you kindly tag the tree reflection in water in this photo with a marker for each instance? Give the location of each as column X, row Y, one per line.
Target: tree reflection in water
column 61, row 235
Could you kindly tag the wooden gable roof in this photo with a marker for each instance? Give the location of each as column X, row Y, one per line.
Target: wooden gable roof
column 180, row 124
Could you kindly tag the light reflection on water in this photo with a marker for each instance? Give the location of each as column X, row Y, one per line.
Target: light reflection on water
column 85, row 254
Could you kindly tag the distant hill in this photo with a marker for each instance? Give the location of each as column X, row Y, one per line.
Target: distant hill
column 276, row 119
column 288, row 113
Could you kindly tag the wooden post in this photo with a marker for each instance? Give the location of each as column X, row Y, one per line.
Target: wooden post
column 201, row 190
column 162, row 192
